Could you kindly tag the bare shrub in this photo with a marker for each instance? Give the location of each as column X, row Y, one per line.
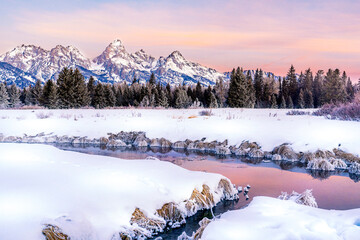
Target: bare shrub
column 42, row 115
column 297, row 113
column 346, row 112
column 206, row 113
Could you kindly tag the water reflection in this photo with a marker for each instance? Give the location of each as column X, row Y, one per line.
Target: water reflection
column 267, row 178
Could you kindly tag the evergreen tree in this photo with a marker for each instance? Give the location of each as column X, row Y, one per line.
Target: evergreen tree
column 4, row 97
column 182, row 100
column 14, row 96
column 293, row 85
column 91, row 88
column 110, row 96
column 290, row 103
column 213, row 101
column 273, row 102
column 308, row 99
column 163, row 101
column 220, row 92
column 99, row 100
column 301, row 102
column 350, row 91
column 251, row 100
column 334, row 90
column 81, row 94
column 49, row 95
column 36, row 93
column 238, row 92
column 259, row 87
column 317, row 88
column 152, row 80
column 283, row 102
column 199, row 92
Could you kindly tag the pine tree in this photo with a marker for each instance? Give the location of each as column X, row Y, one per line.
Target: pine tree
column 334, row 89
column 110, row 96
column 293, row 85
column 81, row 94
column 4, row 97
column 213, row 101
column 66, row 91
column 49, row 95
column 14, row 96
column 152, row 80
column 259, row 87
column 36, row 93
column 273, row 101
column 91, row 88
column 283, row 102
column 238, row 92
column 220, row 92
column 199, row 92
column 290, row 103
column 182, row 100
column 163, row 101
column 99, row 100
column 317, row 88
column 250, row 91
column 308, row 99
column 350, row 91
column 300, row 101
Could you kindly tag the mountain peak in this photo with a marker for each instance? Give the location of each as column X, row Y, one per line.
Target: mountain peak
column 116, row 43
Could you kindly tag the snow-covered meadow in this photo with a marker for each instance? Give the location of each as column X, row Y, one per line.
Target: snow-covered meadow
column 267, row 127
column 88, row 197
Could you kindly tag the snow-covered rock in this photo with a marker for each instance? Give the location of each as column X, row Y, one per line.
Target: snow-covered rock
column 273, row 218
column 305, row 198
column 354, row 168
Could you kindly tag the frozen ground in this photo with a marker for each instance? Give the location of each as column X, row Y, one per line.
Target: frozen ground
column 268, row 127
column 89, row 197
column 270, row 218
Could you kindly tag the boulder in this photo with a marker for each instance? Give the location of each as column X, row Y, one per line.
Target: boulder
column 114, row 143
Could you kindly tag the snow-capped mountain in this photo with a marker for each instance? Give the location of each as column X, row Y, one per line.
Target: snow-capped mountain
column 43, row 64
column 113, row 65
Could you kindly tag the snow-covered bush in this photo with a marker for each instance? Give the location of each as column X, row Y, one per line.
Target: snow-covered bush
column 354, row 168
column 338, row 163
column 320, row 164
column 305, row 198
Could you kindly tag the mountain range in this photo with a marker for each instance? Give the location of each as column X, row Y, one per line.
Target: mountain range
column 26, row 64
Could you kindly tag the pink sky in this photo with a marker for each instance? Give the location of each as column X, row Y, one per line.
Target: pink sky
column 269, row 34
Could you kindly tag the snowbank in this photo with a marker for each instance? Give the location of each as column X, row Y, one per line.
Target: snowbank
column 280, row 219
column 95, row 197
column 268, row 127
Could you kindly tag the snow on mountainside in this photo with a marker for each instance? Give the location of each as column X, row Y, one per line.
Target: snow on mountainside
column 114, row 64
column 11, row 74
column 43, row 64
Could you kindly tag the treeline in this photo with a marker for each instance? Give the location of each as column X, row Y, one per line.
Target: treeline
column 70, row 90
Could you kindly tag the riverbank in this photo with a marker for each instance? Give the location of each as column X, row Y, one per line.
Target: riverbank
column 44, row 190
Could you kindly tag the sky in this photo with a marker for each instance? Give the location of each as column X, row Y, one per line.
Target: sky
column 267, row 34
